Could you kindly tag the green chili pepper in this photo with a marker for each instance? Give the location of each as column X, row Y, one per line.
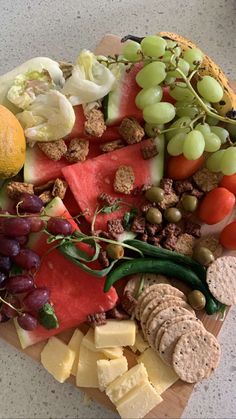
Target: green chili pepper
column 165, row 267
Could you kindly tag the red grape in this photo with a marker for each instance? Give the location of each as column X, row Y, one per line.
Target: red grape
column 9, row 247
column 36, row 299
column 58, row 225
column 27, row 259
column 27, row 322
column 5, row 263
column 22, row 240
column 3, row 318
column 36, row 224
column 2, row 219
column 3, row 278
column 7, row 310
column 30, row 203
column 13, row 227
column 20, row 283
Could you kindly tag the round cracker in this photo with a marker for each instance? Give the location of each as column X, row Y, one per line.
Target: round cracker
column 168, row 323
column 221, row 279
column 172, row 334
column 158, row 319
column 148, row 279
column 162, row 289
column 196, row 356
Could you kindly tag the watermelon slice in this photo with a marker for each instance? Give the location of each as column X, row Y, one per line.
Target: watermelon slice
column 120, row 103
column 89, row 179
column 74, row 293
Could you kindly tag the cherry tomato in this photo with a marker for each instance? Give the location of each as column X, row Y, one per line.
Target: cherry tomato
column 216, row 205
column 228, row 236
column 179, row 168
column 229, row 182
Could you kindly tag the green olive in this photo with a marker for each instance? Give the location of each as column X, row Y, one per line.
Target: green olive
column 189, row 203
column 154, row 216
column 197, row 300
column 155, row 194
column 173, row 215
column 203, row 255
column 115, row 251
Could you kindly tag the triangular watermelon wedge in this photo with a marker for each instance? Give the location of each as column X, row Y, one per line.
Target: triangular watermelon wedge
column 74, row 293
column 89, row 179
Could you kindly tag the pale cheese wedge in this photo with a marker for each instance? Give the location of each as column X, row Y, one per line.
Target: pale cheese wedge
column 57, row 358
column 111, row 353
column 87, row 367
column 115, row 333
column 160, row 375
column 138, row 402
column 122, row 385
column 74, row 345
column 108, row 371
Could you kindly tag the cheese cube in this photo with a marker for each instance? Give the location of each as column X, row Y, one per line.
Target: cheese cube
column 57, row 359
column 161, row 375
column 138, row 402
column 108, row 371
column 74, row 345
column 87, row 367
column 111, row 353
column 122, row 385
column 115, row 333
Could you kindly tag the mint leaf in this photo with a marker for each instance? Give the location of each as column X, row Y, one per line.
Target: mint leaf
column 47, row 317
column 128, row 217
column 110, row 209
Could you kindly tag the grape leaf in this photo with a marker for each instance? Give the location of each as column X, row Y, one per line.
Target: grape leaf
column 47, row 317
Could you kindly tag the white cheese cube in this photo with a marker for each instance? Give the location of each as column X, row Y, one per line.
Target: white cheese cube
column 108, row 371
column 87, row 367
column 57, row 359
column 115, row 333
column 122, row 385
column 74, row 345
column 111, row 353
column 161, row 375
column 138, row 402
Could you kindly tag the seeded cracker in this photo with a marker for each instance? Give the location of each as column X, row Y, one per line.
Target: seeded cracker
column 166, row 325
column 221, row 279
column 147, row 279
column 196, row 356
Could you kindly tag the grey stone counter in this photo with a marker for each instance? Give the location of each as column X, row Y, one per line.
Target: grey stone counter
column 60, row 29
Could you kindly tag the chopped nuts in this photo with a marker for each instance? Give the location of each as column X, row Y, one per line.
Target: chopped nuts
column 124, row 180
column 169, row 201
column 115, row 226
column 46, row 197
column 59, row 188
column 95, row 124
column 206, row 180
column 131, row 131
column 77, row 150
column 54, row 150
column 15, row 189
column 112, row 146
column 149, row 151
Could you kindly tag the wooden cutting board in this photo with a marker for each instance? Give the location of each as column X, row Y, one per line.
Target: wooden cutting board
column 175, row 398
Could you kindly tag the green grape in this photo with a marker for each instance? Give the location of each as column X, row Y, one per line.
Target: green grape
column 232, row 130
column 183, row 66
column 152, row 129
column 210, row 89
column 222, row 133
column 151, row 75
column 171, row 44
column 228, row 162
column 194, row 145
column 153, row 46
column 169, row 80
column 148, row 96
column 176, row 144
column 193, row 56
column 211, row 120
column 203, row 128
column 186, row 109
column 131, row 51
column 181, row 92
column 179, row 123
column 212, row 142
column 213, row 162
column 159, row 113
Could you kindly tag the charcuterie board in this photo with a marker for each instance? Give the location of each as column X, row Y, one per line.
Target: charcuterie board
column 176, row 397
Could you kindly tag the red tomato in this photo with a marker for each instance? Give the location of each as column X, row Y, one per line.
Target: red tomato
column 166, row 95
column 229, row 182
column 228, row 236
column 179, row 168
column 216, row 205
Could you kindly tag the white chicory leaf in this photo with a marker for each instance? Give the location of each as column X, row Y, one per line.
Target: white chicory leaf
column 49, row 118
column 90, row 80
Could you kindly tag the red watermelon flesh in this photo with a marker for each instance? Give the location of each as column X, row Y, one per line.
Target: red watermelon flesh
column 89, row 179
column 74, row 293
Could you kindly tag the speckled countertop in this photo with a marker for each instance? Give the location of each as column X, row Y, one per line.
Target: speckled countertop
column 60, row 29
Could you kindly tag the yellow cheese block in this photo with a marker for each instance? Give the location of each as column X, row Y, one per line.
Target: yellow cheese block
column 111, row 353
column 161, row 375
column 74, row 345
column 108, row 371
column 138, row 402
column 122, row 385
column 87, row 367
column 115, row 333
column 57, row 358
